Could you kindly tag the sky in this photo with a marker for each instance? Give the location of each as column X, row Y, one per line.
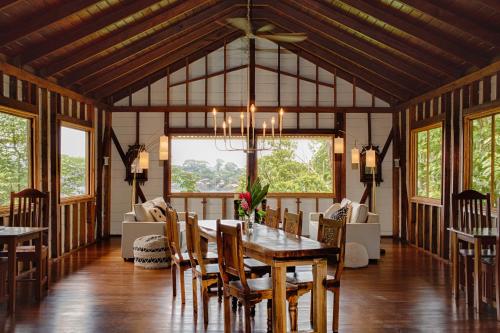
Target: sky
column 73, row 142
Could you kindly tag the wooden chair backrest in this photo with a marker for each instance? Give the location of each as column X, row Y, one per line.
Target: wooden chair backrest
column 272, row 218
column 332, row 232
column 230, row 251
column 29, row 208
column 173, row 236
column 469, row 207
column 292, row 223
column 193, row 240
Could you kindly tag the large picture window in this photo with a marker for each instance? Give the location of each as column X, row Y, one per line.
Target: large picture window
column 198, row 166
column 15, row 156
column 484, row 154
column 427, row 151
column 302, row 165
column 75, row 162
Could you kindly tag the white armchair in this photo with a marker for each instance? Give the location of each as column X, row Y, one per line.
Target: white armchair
column 366, row 233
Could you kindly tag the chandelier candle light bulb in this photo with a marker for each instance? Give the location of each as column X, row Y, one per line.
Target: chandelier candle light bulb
column 355, row 155
column 264, row 126
column 144, row 160
column 272, row 126
column 214, row 112
column 281, row 112
column 338, row 145
column 224, row 128
column 163, row 149
column 229, row 122
column 242, row 117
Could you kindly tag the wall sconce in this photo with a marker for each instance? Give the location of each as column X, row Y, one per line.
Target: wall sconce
column 338, row 145
column 163, row 149
column 144, row 160
column 355, row 155
column 371, row 159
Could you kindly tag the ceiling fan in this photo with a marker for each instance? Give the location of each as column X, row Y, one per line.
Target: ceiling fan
column 265, row 32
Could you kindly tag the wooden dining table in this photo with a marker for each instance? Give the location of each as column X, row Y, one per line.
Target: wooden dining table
column 478, row 237
column 11, row 236
column 280, row 250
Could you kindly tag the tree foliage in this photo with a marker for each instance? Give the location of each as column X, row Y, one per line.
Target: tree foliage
column 73, row 176
column 14, row 155
column 429, row 163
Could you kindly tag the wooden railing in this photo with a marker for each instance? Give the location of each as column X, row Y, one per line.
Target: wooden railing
column 77, row 223
column 227, row 200
column 425, row 222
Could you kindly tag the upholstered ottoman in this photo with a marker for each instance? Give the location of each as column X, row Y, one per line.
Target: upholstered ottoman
column 356, row 255
column 151, row 252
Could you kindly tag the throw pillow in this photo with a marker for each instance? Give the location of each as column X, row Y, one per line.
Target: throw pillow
column 345, row 202
column 340, row 214
column 142, row 213
column 159, row 202
column 158, row 214
column 362, row 213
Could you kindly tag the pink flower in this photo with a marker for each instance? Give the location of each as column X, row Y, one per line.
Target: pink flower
column 244, row 204
column 247, row 197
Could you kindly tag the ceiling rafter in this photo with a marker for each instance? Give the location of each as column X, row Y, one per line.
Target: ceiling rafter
column 125, row 33
column 458, row 21
column 322, row 9
column 493, row 4
column 64, row 38
column 147, row 59
column 159, row 64
column 347, row 59
column 36, row 22
column 431, row 36
column 419, row 73
column 7, row 3
column 170, row 34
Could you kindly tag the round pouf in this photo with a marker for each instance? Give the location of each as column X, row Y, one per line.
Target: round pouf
column 356, row 255
column 151, row 252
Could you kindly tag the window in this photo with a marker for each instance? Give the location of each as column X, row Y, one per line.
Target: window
column 74, row 162
column 484, row 154
column 198, row 166
column 428, row 163
column 15, row 156
column 303, row 164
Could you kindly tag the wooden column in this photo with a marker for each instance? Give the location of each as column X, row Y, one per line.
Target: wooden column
column 44, row 136
column 456, row 147
column 55, row 230
column 251, row 157
column 107, row 176
column 99, row 171
column 402, row 170
column 340, row 160
column 447, row 157
column 395, row 175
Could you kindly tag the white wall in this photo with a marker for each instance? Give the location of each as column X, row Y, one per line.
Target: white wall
column 151, row 124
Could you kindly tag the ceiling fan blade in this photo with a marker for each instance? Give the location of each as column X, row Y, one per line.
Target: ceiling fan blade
column 266, row 28
column 285, row 37
column 240, row 23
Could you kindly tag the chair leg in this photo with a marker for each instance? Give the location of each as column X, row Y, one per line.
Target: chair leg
column 311, row 312
column 234, row 303
column 269, row 315
column 469, row 278
column 47, row 272
column 336, row 309
column 173, row 270
column 206, row 298
column 248, row 326
column 227, row 313
column 183, row 286
column 195, row 294
column 292, row 309
column 219, row 288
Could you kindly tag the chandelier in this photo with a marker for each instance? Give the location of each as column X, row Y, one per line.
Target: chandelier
column 248, row 131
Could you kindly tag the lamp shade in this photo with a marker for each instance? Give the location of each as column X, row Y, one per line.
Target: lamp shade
column 371, row 159
column 144, row 160
column 338, row 145
column 355, row 155
column 163, row 153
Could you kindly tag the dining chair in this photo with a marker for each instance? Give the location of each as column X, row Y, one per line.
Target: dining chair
column 207, row 274
column 236, row 284
column 179, row 260
column 30, row 208
column 272, row 218
column 471, row 210
column 331, row 232
column 4, row 272
column 292, row 223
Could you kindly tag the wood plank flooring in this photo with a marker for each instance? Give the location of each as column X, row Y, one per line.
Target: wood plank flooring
column 95, row 291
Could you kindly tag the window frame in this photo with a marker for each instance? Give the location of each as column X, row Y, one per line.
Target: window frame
column 413, row 163
column 89, row 163
column 468, row 118
column 331, row 194
column 34, row 172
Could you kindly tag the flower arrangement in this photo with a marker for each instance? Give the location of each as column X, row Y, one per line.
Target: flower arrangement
column 250, row 199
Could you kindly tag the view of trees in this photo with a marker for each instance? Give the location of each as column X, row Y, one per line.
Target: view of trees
column 14, row 156
column 429, row 164
column 73, row 167
column 485, row 175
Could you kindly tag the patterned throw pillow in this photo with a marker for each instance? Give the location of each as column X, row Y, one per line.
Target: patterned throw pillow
column 340, row 214
column 158, row 214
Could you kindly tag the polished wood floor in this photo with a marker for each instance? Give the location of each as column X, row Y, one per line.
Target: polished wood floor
column 95, row 291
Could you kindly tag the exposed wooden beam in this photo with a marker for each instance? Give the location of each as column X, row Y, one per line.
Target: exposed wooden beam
column 341, row 54
column 493, row 4
column 417, row 71
column 146, row 60
column 114, row 14
column 167, row 38
column 415, row 28
column 18, row 105
column 7, row 3
column 446, row 15
column 328, row 12
column 36, row 22
column 161, row 63
column 202, row 108
column 92, row 49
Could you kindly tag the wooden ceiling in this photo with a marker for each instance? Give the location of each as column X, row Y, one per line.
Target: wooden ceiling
column 107, row 49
